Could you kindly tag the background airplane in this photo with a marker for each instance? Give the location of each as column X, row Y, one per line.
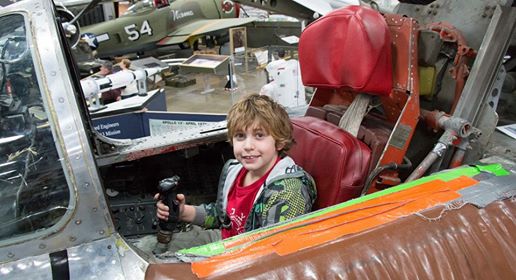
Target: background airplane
column 148, row 25
column 310, row 9
column 300, row 9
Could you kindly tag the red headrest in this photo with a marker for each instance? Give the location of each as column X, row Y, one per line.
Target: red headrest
column 347, row 48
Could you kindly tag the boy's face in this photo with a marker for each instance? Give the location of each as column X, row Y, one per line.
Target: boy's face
column 255, row 149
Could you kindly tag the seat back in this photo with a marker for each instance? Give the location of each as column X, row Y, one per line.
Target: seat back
column 374, row 132
column 337, row 161
column 358, row 51
column 350, row 49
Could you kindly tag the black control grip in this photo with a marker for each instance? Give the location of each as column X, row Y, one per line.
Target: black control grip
column 167, row 193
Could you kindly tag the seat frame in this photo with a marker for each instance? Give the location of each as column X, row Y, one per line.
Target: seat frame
column 401, row 107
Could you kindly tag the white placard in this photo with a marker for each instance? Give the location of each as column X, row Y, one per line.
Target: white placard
column 203, row 62
column 509, row 129
column 291, row 39
column 160, row 127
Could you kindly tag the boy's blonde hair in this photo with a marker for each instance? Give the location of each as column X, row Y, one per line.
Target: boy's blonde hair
column 264, row 111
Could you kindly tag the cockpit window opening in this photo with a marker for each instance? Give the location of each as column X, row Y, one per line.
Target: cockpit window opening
column 34, row 194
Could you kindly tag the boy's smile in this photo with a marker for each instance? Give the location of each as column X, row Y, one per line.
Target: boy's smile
column 256, row 150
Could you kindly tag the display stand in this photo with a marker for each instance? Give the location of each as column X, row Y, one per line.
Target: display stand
column 94, row 105
column 154, row 101
column 206, row 64
column 238, row 43
column 206, row 83
column 232, row 86
column 147, row 62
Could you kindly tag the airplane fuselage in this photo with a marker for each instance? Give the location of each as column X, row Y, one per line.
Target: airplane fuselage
column 141, row 29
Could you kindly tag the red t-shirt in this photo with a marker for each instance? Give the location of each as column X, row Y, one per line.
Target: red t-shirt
column 240, row 202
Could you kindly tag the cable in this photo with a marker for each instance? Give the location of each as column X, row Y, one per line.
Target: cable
column 405, row 165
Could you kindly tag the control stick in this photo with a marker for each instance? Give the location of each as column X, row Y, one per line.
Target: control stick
column 167, row 193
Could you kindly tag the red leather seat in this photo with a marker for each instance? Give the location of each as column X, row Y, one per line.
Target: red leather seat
column 337, row 161
column 347, row 49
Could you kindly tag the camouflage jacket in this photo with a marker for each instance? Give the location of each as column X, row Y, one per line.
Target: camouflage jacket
column 288, row 192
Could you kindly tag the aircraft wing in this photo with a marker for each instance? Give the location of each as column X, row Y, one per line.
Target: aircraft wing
column 200, row 27
column 324, row 7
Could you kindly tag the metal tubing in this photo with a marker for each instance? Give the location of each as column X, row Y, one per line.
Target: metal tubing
column 460, row 152
column 436, row 153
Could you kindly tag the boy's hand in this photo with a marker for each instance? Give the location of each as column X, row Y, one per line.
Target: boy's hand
column 162, row 210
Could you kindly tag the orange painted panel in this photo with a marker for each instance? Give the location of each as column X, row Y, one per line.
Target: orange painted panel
column 333, row 225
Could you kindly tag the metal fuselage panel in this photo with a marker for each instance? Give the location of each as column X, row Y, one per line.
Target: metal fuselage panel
column 85, row 220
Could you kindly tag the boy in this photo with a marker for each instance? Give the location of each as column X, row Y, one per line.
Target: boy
column 261, row 187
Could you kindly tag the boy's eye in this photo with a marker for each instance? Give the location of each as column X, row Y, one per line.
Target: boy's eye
column 239, row 136
column 260, row 135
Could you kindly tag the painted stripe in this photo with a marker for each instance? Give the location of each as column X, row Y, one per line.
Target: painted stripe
column 102, row 37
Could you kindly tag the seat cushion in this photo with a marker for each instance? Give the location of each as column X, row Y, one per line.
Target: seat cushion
column 347, row 48
column 336, row 160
